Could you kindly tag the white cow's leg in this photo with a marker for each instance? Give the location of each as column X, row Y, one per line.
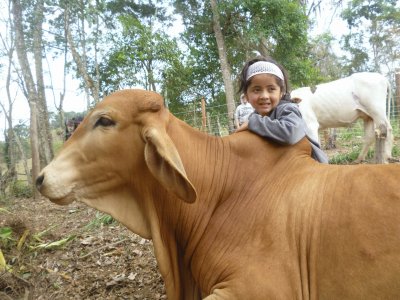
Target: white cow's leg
column 369, row 137
column 389, row 143
column 380, row 141
column 384, row 142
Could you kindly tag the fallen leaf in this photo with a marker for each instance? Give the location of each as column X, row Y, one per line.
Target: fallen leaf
column 22, row 239
column 3, row 265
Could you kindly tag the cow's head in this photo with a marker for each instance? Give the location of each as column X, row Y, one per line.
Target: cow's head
column 115, row 157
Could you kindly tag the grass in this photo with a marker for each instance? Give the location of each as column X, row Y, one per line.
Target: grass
column 350, row 140
column 101, row 219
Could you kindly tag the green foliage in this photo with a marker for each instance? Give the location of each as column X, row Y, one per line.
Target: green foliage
column 396, row 151
column 138, row 56
column 270, row 27
column 344, row 158
column 374, row 34
column 54, row 244
column 5, row 236
column 101, row 219
column 21, row 189
column 324, row 59
column 349, row 157
column 133, row 44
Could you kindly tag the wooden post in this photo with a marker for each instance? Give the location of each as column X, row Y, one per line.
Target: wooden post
column 218, row 126
column 203, row 115
column 194, row 115
column 209, row 124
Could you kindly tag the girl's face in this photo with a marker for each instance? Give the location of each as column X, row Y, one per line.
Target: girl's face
column 264, row 93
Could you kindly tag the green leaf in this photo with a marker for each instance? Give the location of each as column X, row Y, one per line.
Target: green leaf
column 55, row 244
column 5, row 232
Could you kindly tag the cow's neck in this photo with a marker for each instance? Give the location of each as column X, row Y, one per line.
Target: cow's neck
column 207, row 161
column 213, row 165
column 219, row 169
column 177, row 226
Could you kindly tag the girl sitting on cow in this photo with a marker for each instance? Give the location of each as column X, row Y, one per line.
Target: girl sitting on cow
column 276, row 117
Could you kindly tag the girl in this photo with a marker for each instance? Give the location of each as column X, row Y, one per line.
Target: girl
column 265, row 85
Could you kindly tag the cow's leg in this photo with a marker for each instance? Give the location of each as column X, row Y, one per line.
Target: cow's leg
column 380, row 140
column 369, row 137
column 384, row 135
column 389, row 144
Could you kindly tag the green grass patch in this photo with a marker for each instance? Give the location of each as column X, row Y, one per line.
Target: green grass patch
column 101, row 219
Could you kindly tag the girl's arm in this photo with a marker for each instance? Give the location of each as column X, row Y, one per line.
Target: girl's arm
column 285, row 125
column 242, row 127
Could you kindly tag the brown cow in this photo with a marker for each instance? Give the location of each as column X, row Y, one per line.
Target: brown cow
column 235, row 217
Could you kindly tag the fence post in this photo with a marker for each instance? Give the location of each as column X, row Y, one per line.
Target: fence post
column 203, row 115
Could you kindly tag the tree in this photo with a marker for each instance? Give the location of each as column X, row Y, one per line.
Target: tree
column 374, row 35
column 276, row 28
column 328, row 64
column 225, row 67
column 80, row 15
column 138, row 57
column 10, row 139
column 31, row 42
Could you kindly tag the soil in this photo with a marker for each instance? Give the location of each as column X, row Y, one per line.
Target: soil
column 100, row 260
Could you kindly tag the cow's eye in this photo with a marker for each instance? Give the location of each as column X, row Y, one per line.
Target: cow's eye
column 104, row 122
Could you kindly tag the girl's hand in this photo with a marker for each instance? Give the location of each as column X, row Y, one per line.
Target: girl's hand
column 243, row 127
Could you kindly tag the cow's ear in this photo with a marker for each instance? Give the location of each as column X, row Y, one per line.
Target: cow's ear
column 165, row 164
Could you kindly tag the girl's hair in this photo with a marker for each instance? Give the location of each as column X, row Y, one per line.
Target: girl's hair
column 283, row 84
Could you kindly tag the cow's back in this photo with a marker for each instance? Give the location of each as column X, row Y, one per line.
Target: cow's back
column 358, row 253
column 334, row 104
column 371, row 92
column 340, row 102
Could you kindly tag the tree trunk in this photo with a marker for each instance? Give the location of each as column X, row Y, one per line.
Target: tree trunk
column 11, row 153
column 225, row 67
column 11, row 162
column 80, row 61
column 397, row 95
column 44, row 133
column 263, row 47
column 34, row 96
column 34, row 148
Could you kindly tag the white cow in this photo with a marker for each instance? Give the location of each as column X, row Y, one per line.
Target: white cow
column 341, row 102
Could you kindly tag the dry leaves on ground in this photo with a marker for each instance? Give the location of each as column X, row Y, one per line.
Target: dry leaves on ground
column 70, row 252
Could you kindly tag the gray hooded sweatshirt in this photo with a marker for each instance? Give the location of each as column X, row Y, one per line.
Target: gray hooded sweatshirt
column 286, row 126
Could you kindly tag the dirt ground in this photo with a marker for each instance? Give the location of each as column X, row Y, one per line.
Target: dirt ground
column 99, row 261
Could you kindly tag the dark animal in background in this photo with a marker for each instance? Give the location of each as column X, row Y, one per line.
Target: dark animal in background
column 71, row 125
